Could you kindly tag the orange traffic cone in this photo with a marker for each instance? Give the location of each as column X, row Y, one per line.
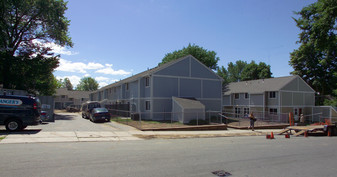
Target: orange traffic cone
column 329, row 133
column 271, row 135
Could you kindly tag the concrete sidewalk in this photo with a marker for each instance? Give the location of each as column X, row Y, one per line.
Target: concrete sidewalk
column 74, row 136
column 87, row 136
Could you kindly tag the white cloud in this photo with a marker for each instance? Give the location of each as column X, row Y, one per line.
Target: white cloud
column 56, row 48
column 102, row 84
column 92, row 65
column 100, row 78
column 109, row 70
column 87, row 75
column 78, row 67
column 75, row 80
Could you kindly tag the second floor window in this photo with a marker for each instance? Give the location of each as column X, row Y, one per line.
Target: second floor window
column 127, row 86
column 246, row 96
column 147, row 81
column 272, row 94
column 236, row 95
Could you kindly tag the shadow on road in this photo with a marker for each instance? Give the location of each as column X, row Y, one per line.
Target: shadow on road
column 23, row 132
column 64, row 117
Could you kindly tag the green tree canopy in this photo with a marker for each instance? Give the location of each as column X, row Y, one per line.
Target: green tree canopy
column 23, row 21
column 241, row 71
column 26, row 25
column 254, row 71
column 67, row 84
column 205, row 56
column 87, row 84
column 316, row 58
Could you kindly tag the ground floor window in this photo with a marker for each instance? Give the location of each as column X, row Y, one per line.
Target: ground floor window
column 237, row 112
column 246, row 111
column 273, row 111
column 147, row 105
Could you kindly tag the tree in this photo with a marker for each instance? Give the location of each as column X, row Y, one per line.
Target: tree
column 67, row 84
column 206, row 57
column 316, row 58
column 235, row 70
column 241, row 71
column 26, row 25
column 87, row 84
column 252, row 71
column 222, row 72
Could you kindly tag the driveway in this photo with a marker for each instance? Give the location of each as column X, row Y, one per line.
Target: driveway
column 70, row 127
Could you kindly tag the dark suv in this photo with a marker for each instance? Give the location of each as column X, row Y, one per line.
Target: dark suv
column 17, row 112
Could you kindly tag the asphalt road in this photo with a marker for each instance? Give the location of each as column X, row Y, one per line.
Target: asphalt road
column 240, row 156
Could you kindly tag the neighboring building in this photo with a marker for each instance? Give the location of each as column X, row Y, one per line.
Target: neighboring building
column 150, row 93
column 270, row 98
column 65, row 97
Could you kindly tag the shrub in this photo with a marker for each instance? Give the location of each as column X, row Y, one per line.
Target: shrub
column 198, row 122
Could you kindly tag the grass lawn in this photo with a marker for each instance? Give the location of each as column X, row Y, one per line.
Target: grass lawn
column 2, row 137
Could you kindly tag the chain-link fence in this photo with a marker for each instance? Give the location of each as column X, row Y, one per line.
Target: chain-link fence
column 184, row 119
column 167, row 119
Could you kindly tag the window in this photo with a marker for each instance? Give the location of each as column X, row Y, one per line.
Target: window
column 237, row 112
column 246, row 96
column 63, row 96
column 246, row 111
column 272, row 94
column 114, row 89
column 273, row 111
column 127, row 86
column 236, row 96
column 147, row 105
column 147, row 81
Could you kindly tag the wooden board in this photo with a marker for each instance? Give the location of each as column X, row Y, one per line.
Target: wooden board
column 283, row 131
column 300, row 133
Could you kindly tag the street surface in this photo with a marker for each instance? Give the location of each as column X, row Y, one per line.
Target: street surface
column 70, row 127
column 240, row 156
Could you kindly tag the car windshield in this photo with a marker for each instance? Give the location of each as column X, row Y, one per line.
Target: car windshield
column 93, row 106
column 100, row 110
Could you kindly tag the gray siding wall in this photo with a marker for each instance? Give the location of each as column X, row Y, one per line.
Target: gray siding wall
column 212, row 89
column 273, row 101
column 226, row 100
column 297, row 99
column 199, row 71
column 256, row 99
column 242, row 101
column 180, row 68
column 190, row 88
column 165, row 87
column 298, row 84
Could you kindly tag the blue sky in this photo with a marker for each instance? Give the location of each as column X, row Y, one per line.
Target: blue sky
column 117, row 38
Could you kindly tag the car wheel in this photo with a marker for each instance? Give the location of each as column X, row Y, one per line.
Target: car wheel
column 13, row 125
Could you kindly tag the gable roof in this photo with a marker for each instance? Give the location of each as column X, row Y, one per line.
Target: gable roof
column 72, row 93
column 259, row 86
column 188, row 103
column 151, row 71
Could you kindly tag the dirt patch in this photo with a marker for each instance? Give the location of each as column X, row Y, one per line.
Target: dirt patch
column 245, row 123
column 182, row 136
